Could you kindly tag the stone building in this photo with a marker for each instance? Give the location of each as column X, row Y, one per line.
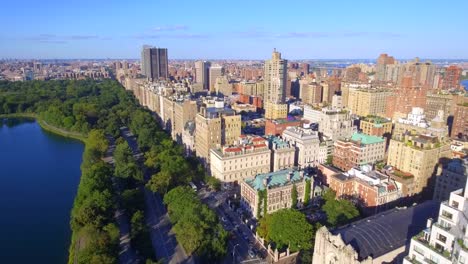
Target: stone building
column 246, row 158
column 276, row 188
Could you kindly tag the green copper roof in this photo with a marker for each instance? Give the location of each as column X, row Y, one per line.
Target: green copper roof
column 278, row 142
column 274, row 179
column 366, row 139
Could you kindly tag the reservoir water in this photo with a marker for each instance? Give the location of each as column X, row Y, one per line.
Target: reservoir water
column 39, row 176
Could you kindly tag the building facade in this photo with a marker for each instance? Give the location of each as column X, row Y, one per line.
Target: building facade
column 282, row 156
column 359, row 149
column 276, row 188
column 309, row 150
column 450, row 177
column 333, row 123
column 376, row 126
column 215, row 127
column 154, row 63
column 248, row 157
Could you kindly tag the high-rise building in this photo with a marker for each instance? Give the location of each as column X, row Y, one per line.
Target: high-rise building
column 417, row 154
column 365, row 102
column 202, row 73
column 222, row 86
column 452, row 77
column 450, row 177
column 275, row 78
column 154, row 63
column 382, row 61
column 215, row 127
column 215, row 71
column 460, row 121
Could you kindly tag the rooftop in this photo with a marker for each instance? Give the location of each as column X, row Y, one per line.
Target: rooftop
column 275, row 179
column 278, row 142
column 366, row 139
column 384, row 232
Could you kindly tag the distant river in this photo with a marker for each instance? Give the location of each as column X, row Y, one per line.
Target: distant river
column 465, row 83
column 39, row 176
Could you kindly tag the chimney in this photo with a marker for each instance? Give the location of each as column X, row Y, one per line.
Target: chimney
column 290, row 175
column 429, row 223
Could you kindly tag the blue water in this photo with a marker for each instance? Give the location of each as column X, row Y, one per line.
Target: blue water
column 39, row 176
column 465, row 83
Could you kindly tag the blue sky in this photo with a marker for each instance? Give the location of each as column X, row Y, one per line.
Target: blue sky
column 239, row 29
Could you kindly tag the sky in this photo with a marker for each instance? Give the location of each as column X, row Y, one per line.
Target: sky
column 309, row 29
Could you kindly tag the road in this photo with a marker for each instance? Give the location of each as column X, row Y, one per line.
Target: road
column 243, row 240
column 127, row 254
column 164, row 242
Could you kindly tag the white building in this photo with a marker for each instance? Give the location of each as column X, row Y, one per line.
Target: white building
column 332, row 122
column 309, row 150
column 444, row 241
column 248, row 157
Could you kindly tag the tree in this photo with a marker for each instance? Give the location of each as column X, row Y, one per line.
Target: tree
column 329, row 160
column 339, row 212
column 159, row 182
column 287, row 227
column 98, row 141
column 294, row 196
column 308, row 187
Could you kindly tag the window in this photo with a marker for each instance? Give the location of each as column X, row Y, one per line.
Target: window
column 441, row 238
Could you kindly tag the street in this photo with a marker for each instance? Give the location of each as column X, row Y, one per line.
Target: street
column 164, row 241
column 127, row 254
column 242, row 241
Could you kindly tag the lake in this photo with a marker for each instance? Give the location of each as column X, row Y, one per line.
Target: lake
column 39, row 174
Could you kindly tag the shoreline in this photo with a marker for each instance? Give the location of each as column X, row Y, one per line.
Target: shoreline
column 46, row 127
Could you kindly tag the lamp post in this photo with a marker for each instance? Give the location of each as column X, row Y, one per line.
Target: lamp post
column 234, row 253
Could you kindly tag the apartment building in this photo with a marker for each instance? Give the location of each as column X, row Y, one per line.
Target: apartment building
column 215, row 127
column 375, row 126
column 450, row 177
column 365, row 102
column 371, row 190
column 445, row 240
column 417, row 154
column 359, row 149
column 333, row 122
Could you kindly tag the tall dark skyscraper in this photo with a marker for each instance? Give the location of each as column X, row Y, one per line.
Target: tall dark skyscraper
column 154, row 63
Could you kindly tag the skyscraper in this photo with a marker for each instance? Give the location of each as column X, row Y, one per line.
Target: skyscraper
column 154, row 63
column 202, row 73
column 275, row 78
column 215, row 71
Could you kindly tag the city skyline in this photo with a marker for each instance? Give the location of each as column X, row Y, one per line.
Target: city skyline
column 246, row 30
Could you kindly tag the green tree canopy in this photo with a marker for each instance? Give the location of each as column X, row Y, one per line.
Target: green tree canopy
column 339, row 212
column 287, row 227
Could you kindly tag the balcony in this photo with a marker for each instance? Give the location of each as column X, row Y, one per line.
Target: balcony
column 442, row 252
column 412, row 260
